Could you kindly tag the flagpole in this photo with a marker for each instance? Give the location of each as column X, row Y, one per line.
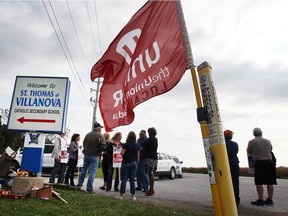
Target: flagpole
column 201, row 116
column 200, row 110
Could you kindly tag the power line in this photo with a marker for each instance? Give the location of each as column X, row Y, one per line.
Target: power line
column 91, row 28
column 64, row 41
column 98, row 79
column 77, row 35
column 97, row 27
column 77, row 80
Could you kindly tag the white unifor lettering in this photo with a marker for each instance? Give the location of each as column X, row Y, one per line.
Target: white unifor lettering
column 127, row 41
column 126, row 47
column 157, row 55
column 118, row 97
column 148, row 59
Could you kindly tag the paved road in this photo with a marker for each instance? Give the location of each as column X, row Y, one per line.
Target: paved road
column 195, row 189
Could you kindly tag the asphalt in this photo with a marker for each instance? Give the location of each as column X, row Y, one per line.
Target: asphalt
column 194, row 189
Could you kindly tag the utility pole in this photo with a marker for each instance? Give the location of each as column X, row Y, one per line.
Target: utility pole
column 94, row 118
column 4, row 113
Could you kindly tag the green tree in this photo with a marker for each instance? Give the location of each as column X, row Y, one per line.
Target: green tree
column 10, row 138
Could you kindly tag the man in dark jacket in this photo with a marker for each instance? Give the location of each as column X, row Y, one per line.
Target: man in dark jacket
column 94, row 143
column 142, row 177
column 150, row 147
column 232, row 151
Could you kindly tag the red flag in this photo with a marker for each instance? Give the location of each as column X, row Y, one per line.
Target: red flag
column 146, row 59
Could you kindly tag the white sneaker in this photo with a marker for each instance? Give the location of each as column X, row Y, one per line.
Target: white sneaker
column 133, row 198
column 119, row 197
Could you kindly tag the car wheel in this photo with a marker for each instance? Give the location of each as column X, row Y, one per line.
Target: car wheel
column 15, row 166
column 172, row 173
column 181, row 176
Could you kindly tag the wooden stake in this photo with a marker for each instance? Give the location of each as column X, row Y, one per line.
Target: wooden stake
column 58, row 195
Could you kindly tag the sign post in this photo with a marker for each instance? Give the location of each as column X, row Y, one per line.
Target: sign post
column 33, row 152
column 39, row 105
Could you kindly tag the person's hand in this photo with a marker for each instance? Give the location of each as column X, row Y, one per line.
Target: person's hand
column 58, row 159
column 80, row 147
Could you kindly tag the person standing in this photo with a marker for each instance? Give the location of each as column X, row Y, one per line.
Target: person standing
column 142, row 177
column 73, row 159
column 265, row 169
column 106, row 161
column 116, row 143
column 131, row 154
column 60, row 159
column 94, row 144
column 150, row 147
column 232, row 151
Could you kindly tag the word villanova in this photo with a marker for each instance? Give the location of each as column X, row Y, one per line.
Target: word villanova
column 38, row 102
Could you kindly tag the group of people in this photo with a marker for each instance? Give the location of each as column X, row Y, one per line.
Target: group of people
column 139, row 159
column 65, row 159
column 264, row 165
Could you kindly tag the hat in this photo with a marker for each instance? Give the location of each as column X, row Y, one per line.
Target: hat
column 97, row 125
column 257, row 131
column 228, row 133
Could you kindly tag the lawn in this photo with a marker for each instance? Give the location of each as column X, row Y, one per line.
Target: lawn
column 82, row 203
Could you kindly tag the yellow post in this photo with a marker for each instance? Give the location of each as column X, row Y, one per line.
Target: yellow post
column 216, row 141
column 204, row 130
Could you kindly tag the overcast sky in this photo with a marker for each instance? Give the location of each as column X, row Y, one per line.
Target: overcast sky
column 244, row 41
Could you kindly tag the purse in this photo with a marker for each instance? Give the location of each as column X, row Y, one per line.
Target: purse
column 273, row 158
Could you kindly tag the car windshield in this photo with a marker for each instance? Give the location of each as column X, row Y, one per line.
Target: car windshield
column 48, row 148
column 176, row 160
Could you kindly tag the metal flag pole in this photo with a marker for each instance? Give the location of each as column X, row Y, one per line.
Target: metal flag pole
column 219, row 158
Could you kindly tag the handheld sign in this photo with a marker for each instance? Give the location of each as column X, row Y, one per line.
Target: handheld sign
column 117, row 157
column 251, row 164
column 39, row 104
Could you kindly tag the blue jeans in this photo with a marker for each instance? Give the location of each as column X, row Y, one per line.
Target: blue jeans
column 142, row 177
column 90, row 162
column 128, row 170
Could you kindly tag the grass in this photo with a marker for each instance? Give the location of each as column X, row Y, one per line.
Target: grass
column 81, row 203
